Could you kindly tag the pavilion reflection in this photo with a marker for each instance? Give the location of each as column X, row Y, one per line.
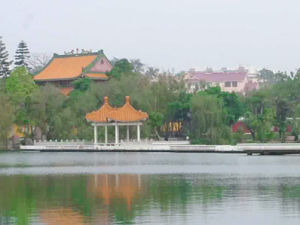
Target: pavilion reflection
column 62, row 216
column 110, row 187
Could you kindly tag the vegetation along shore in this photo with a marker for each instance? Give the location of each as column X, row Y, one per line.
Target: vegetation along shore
column 207, row 115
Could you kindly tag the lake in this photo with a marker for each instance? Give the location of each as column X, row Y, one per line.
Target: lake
column 148, row 188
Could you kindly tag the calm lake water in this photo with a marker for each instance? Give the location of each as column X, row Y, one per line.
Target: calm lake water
column 148, row 188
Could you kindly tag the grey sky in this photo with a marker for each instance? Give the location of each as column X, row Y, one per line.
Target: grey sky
column 163, row 33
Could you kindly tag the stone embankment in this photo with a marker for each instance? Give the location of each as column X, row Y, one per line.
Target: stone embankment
column 164, row 146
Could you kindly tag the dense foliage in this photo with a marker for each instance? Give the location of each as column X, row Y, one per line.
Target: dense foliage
column 206, row 116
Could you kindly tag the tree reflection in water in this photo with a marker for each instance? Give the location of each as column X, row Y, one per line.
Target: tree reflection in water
column 121, row 198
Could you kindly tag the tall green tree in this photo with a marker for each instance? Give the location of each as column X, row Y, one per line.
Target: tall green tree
column 208, row 120
column 296, row 122
column 232, row 105
column 6, row 120
column 22, row 54
column 179, row 111
column 4, row 61
column 20, row 85
column 45, row 104
column 259, row 116
column 156, row 120
column 121, row 67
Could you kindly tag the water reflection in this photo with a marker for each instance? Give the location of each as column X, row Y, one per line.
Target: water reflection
column 120, row 187
column 61, row 216
column 173, row 198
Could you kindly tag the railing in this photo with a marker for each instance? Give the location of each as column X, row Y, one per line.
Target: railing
column 62, row 142
column 121, row 143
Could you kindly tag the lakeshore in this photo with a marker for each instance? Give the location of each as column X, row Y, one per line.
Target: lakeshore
column 164, row 146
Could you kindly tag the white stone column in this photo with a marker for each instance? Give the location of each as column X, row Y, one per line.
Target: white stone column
column 95, row 135
column 138, row 133
column 127, row 133
column 116, row 133
column 105, row 131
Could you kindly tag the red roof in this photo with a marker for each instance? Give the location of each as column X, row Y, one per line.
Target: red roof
column 240, row 126
column 219, row 76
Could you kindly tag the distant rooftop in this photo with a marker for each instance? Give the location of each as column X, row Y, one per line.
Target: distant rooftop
column 71, row 65
column 218, row 76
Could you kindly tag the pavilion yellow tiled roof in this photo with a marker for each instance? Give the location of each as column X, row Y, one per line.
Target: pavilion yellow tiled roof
column 124, row 114
column 68, row 67
column 127, row 113
column 101, row 114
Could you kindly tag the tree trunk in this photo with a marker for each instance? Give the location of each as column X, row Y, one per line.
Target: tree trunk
column 157, row 134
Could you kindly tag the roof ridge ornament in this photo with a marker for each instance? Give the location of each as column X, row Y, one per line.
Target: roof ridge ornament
column 127, row 100
column 106, row 100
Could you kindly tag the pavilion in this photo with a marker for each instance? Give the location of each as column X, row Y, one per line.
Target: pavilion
column 107, row 115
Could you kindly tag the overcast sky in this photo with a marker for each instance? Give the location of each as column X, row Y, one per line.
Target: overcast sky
column 163, row 33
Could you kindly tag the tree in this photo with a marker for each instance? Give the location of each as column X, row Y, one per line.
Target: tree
column 179, row 110
column 208, row 120
column 4, row 62
column 6, row 120
column 259, row 117
column 138, row 66
column 20, row 85
column 156, row 120
column 282, row 111
column 152, row 72
column 268, row 77
column 37, row 62
column 232, row 106
column 44, row 106
column 121, row 67
column 22, row 55
column 296, row 122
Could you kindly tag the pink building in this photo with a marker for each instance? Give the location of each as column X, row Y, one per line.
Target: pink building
column 239, row 81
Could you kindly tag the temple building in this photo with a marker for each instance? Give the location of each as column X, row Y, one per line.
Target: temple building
column 110, row 116
column 62, row 70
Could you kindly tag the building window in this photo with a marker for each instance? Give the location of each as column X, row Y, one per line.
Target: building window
column 228, row 84
column 234, row 83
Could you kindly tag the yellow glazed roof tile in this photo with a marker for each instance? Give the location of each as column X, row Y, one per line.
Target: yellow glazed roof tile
column 102, row 76
column 67, row 67
column 124, row 114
